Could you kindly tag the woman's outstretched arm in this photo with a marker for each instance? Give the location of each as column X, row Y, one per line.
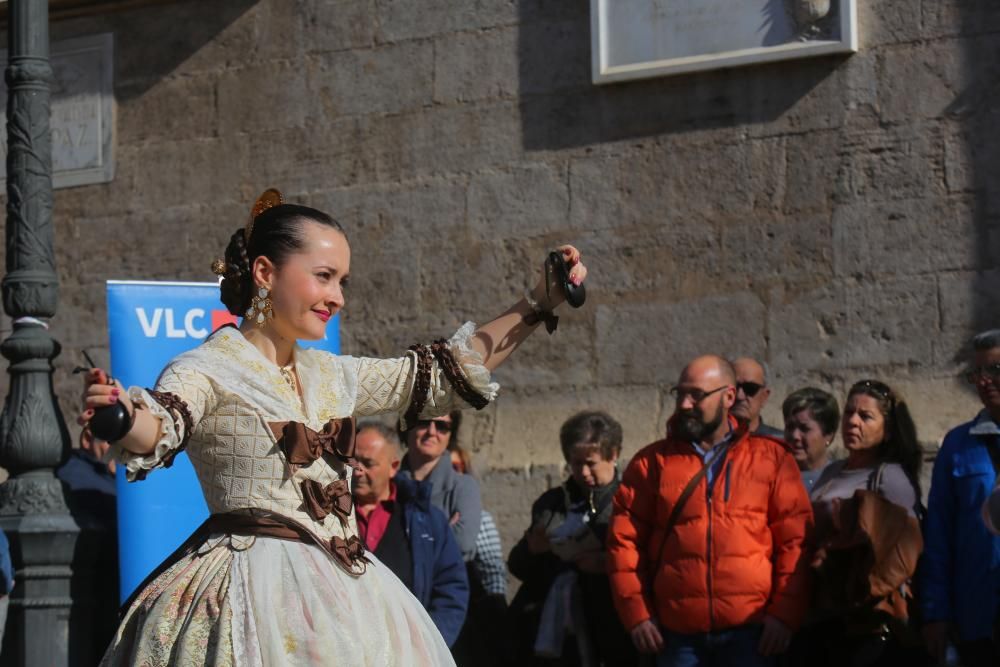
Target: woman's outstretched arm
column 496, row 340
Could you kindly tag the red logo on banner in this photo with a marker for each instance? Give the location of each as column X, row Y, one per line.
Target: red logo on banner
column 221, row 318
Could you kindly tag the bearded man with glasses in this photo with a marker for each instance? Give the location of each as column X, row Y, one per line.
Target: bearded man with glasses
column 706, row 553
column 960, row 593
column 752, row 393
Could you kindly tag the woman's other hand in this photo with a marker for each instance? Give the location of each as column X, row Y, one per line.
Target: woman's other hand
column 97, row 393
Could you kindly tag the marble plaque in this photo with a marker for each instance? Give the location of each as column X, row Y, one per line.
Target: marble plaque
column 635, row 39
column 82, row 111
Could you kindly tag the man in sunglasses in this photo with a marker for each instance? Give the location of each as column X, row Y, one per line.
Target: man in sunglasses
column 706, row 553
column 752, row 393
column 960, row 586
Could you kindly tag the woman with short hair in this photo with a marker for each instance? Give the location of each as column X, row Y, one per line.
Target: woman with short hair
column 561, row 559
column 811, row 419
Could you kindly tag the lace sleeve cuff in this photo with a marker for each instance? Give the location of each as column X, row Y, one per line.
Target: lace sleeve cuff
column 447, row 375
column 471, row 365
column 175, row 430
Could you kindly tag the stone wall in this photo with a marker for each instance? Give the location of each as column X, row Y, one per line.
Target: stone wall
column 836, row 217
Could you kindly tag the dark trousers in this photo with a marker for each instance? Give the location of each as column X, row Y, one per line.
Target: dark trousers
column 979, row 653
column 735, row 647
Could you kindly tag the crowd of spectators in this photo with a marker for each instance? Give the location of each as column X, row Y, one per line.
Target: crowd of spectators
column 727, row 542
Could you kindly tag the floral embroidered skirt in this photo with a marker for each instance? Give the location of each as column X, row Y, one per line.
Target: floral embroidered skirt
column 251, row 602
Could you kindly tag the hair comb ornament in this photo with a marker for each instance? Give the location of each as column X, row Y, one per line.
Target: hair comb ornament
column 268, row 199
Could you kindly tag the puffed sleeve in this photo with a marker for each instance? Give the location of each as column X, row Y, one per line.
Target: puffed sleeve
column 181, row 397
column 429, row 381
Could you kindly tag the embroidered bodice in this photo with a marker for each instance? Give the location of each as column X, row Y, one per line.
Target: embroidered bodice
column 235, row 397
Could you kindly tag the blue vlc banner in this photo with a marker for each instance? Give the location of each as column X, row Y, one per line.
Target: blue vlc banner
column 149, row 324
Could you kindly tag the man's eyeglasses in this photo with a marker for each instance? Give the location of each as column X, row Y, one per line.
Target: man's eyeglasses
column 695, row 394
column 980, row 373
column 749, row 388
column 443, row 427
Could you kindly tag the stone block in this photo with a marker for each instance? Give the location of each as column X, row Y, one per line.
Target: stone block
column 337, row 25
column 596, row 192
column 399, row 20
column 562, row 362
column 960, row 161
column 445, row 140
column 903, row 162
column 183, row 38
column 892, row 22
column 906, row 237
column 553, row 56
column 432, row 209
column 261, row 98
column 523, row 201
column 173, row 109
column 937, row 69
column 677, row 259
column 159, row 175
column 795, row 248
column 527, row 425
column 970, row 302
column 478, row 279
column 322, row 155
column 953, row 19
column 387, row 79
column 475, row 66
column 849, row 324
column 650, row 343
column 816, row 175
column 280, row 30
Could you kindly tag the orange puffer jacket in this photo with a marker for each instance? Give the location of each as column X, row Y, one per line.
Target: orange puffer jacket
column 730, row 559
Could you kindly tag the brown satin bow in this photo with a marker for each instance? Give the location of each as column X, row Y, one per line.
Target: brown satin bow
column 302, row 445
column 348, row 551
column 322, row 500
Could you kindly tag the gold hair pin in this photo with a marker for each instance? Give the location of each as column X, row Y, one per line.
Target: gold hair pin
column 269, row 199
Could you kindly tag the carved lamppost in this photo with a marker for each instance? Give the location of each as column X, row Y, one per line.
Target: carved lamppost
column 33, row 435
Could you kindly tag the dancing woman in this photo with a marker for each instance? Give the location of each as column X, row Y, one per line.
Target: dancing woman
column 277, row 575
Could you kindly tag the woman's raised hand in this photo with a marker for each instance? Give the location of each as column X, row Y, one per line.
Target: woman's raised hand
column 549, row 291
column 98, row 393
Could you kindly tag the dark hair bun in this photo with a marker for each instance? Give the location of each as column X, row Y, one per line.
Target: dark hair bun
column 236, row 282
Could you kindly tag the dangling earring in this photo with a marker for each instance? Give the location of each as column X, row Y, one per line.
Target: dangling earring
column 260, row 310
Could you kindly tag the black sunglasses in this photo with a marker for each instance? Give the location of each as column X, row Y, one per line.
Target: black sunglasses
column 879, row 389
column 749, row 388
column 443, row 427
column 989, row 372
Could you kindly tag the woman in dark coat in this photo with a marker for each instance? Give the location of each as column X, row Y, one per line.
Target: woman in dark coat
column 561, row 558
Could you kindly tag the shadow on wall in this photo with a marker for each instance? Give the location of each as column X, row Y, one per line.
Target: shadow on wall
column 977, row 109
column 158, row 38
column 561, row 108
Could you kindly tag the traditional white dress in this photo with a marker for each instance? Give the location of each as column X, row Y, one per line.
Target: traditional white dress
column 252, row 600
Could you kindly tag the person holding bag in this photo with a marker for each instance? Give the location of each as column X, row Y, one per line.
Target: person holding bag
column 868, row 539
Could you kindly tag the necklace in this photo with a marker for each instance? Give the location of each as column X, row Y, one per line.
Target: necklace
column 288, row 373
